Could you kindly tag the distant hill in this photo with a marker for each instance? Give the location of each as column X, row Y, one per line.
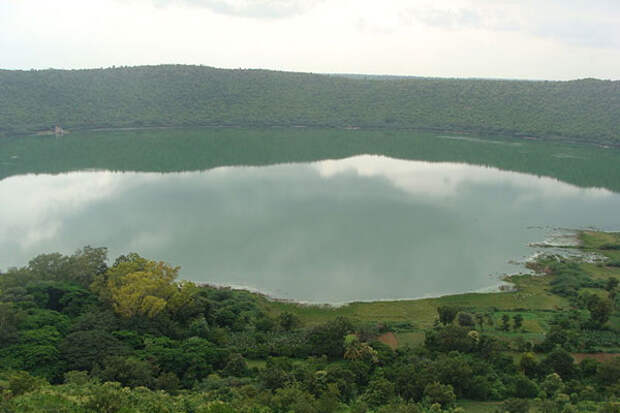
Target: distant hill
column 175, row 95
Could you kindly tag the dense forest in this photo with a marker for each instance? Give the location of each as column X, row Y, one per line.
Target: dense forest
column 161, row 96
column 81, row 335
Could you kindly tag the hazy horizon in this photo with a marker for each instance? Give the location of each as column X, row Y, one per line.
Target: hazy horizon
column 339, row 74
column 505, row 39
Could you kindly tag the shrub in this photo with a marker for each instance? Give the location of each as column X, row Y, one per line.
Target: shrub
column 439, row 393
column 515, row 406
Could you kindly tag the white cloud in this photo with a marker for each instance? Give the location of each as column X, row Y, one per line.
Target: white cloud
column 249, row 8
column 452, row 38
column 592, row 24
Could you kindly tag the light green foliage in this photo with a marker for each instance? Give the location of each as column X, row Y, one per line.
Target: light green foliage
column 137, row 286
column 439, row 393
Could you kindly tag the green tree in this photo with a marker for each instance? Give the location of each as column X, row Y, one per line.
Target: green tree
column 328, row 339
column 480, row 320
column 529, row 365
column 608, row 373
column 465, row 319
column 288, row 321
column 447, row 314
column 83, row 349
column 505, row 322
column 10, row 317
column 129, row 371
column 600, row 310
column 236, row 366
column 106, row 398
column 21, row 382
column 439, row 393
column 136, row 286
column 611, row 283
column 561, row 362
column 517, row 321
column 293, row 399
column 552, row 385
column 379, row 392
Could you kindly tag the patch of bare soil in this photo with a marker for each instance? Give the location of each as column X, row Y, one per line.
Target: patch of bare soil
column 596, row 356
column 389, row 339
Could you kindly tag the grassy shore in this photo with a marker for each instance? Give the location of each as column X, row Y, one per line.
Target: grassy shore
column 531, row 297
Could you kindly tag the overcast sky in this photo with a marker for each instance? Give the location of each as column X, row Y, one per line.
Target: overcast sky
column 527, row 39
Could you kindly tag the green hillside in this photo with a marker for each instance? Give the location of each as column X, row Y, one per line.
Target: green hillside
column 32, row 101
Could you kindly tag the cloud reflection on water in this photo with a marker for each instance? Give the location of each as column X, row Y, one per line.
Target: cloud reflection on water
column 361, row 228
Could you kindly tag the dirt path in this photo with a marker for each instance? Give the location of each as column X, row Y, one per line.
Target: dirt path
column 596, row 356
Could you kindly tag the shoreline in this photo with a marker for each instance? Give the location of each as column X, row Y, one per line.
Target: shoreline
column 483, row 134
column 505, row 285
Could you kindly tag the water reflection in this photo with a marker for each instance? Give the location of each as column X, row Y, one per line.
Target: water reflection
column 361, row 228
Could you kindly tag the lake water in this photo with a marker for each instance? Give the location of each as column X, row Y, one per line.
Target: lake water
column 361, row 228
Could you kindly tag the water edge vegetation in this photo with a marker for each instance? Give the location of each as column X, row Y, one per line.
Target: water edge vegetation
column 79, row 335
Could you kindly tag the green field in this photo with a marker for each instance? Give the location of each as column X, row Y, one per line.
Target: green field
column 531, row 298
column 530, row 294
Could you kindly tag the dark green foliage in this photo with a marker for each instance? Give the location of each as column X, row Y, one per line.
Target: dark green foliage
column 439, row 393
column 505, row 322
column 525, row 388
column 236, row 366
column 276, row 375
column 608, row 373
column 451, row 338
column 191, row 359
column 517, row 320
column 561, row 362
column 128, row 371
column 197, row 95
column 83, row 349
column 288, row 321
column 10, row 319
column 328, row 339
column 466, row 320
column 379, row 392
column 600, row 310
column 80, row 268
column 447, row 314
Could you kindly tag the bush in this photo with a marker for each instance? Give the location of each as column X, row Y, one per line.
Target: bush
column 106, row 398
column 439, row 393
column 525, row 388
column 466, row 319
column 450, row 338
column 20, row 382
column 379, row 392
column 515, row 406
column 447, row 314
